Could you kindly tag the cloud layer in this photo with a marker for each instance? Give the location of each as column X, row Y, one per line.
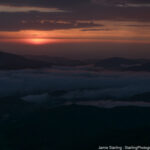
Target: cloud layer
column 76, row 85
column 71, row 11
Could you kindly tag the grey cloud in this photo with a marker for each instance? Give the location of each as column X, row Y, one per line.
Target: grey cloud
column 32, row 20
column 64, row 4
column 121, row 2
column 68, row 3
column 76, row 10
column 96, row 30
column 39, row 21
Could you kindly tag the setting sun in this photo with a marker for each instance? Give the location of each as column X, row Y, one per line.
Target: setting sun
column 38, row 41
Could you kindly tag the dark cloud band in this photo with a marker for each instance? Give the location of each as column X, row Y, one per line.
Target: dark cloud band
column 74, row 11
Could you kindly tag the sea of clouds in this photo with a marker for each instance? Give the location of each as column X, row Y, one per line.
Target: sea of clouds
column 36, row 85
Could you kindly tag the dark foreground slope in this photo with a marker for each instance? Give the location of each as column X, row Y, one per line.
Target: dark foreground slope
column 75, row 128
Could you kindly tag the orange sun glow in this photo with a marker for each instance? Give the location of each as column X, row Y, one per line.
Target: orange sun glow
column 39, row 41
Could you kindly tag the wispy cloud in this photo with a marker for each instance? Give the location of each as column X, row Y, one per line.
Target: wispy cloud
column 7, row 8
column 30, row 14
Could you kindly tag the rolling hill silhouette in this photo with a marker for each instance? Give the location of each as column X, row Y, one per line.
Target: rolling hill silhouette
column 13, row 61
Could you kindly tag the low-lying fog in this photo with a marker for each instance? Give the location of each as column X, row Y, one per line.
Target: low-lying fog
column 72, row 84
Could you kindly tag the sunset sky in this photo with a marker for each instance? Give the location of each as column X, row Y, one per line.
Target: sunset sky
column 79, row 28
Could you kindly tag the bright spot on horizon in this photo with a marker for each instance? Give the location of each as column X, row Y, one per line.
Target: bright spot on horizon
column 39, row 41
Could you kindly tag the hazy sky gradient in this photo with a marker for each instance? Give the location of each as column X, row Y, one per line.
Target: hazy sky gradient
column 65, row 28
